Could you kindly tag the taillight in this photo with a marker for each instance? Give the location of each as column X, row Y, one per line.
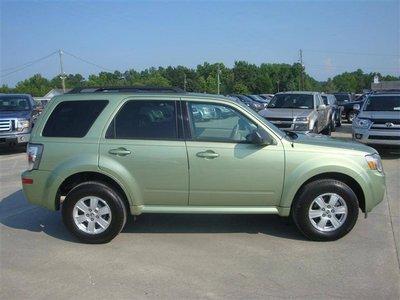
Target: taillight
column 34, row 152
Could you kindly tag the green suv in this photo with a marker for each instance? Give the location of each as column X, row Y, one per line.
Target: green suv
column 99, row 154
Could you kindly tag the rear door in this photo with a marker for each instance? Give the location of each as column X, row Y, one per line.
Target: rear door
column 225, row 169
column 143, row 147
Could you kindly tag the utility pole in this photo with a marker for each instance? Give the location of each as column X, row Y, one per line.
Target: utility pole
column 184, row 82
column 277, row 83
column 62, row 74
column 301, row 85
column 218, row 79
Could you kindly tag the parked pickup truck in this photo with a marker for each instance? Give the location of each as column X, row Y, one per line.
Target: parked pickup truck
column 17, row 115
column 298, row 111
column 378, row 121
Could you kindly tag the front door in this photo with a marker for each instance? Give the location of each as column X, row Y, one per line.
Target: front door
column 225, row 169
column 143, row 147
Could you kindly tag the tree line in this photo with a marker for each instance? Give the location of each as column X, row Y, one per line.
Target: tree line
column 243, row 78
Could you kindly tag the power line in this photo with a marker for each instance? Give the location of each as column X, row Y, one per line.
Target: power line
column 26, row 65
column 86, row 61
column 353, row 53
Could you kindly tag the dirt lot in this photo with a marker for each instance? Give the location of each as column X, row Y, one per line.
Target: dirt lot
column 196, row 256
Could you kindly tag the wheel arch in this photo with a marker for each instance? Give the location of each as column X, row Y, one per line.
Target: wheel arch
column 348, row 180
column 72, row 180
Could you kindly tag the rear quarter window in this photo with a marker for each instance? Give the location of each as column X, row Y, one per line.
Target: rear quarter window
column 73, row 118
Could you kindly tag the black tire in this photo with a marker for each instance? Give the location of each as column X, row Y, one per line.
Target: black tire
column 350, row 116
column 306, row 197
column 333, row 125
column 339, row 122
column 107, row 194
column 327, row 130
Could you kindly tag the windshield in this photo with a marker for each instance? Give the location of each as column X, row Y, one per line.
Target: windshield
column 301, row 101
column 14, row 103
column 258, row 99
column 342, row 97
column 383, row 103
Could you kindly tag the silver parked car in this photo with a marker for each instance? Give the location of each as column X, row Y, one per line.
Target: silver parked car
column 298, row 111
column 378, row 121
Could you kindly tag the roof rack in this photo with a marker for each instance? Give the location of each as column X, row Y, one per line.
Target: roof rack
column 125, row 89
column 389, row 91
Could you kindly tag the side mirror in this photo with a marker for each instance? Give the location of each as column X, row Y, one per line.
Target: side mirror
column 321, row 106
column 356, row 107
column 259, row 137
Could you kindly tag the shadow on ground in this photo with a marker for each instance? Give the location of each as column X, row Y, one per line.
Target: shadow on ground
column 6, row 150
column 17, row 213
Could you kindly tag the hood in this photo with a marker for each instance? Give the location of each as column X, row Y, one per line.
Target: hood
column 284, row 112
column 19, row 114
column 379, row 114
column 320, row 140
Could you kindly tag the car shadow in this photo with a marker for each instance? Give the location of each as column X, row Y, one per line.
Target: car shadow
column 17, row 213
column 6, row 150
column 388, row 152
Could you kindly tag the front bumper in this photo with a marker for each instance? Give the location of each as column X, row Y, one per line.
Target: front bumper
column 378, row 137
column 377, row 189
column 14, row 138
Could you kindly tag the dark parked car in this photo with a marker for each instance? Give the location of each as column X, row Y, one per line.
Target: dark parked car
column 348, row 111
column 17, row 115
column 248, row 101
column 343, row 98
column 259, row 99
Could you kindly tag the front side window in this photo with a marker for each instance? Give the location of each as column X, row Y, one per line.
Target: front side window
column 383, row 103
column 73, row 118
column 325, row 99
column 145, row 120
column 218, row 123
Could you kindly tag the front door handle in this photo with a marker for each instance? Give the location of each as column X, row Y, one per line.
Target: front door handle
column 121, row 151
column 207, row 154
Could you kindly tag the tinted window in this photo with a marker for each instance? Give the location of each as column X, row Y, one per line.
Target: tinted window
column 342, row 97
column 12, row 103
column 383, row 103
column 325, row 99
column 73, row 118
column 292, row 101
column 145, row 120
column 218, row 123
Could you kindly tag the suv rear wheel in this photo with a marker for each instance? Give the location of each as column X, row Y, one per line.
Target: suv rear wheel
column 94, row 212
column 325, row 210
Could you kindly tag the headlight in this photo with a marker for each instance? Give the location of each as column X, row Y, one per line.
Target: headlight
column 301, row 119
column 22, row 124
column 374, row 162
column 362, row 123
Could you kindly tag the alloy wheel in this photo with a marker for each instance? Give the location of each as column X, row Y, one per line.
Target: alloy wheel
column 328, row 212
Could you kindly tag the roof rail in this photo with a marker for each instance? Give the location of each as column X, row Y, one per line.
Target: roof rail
column 125, row 89
column 386, row 91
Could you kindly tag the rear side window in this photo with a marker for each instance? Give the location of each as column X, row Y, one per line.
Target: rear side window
column 73, row 118
column 145, row 120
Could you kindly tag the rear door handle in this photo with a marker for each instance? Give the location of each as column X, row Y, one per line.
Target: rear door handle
column 207, row 154
column 121, row 151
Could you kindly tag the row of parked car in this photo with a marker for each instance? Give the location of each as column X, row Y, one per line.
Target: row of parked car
column 375, row 116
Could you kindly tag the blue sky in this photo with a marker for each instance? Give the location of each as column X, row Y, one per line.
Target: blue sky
column 120, row 35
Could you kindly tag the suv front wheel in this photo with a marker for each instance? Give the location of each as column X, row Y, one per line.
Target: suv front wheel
column 325, row 210
column 94, row 212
